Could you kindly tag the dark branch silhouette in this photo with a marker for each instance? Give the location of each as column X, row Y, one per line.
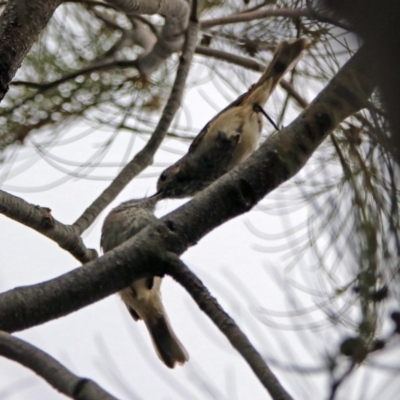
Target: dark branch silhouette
column 50, row 369
column 210, row 306
column 15, row 43
column 41, row 220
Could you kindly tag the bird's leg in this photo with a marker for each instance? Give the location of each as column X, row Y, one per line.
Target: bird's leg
column 258, row 108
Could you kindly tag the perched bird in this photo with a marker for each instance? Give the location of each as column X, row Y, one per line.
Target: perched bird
column 143, row 296
column 232, row 135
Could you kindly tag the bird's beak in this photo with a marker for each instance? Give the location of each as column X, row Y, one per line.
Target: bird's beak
column 157, row 195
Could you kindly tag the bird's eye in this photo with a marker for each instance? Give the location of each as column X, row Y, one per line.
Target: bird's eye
column 163, row 177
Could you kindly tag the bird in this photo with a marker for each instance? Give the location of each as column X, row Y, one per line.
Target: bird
column 143, row 297
column 232, row 135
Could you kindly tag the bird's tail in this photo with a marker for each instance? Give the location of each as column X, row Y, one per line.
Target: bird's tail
column 168, row 347
column 286, row 56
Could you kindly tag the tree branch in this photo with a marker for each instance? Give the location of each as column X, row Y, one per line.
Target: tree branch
column 210, row 306
column 20, row 24
column 92, row 3
column 280, row 157
column 41, row 220
column 50, row 369
column 245, row 62
column 170, row 40
column 101, row 66
column 250, row 64
column 145, row 157
column 254, row 15
column 278, row 12
column 203, row 50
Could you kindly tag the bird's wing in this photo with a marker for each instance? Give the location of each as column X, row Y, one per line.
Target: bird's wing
column 197, row 140
column 285, row 57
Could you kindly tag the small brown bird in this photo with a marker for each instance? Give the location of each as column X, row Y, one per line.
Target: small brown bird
column 232, row 135
column 143, row 296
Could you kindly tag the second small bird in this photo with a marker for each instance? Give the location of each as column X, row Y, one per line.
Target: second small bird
column 143, row 296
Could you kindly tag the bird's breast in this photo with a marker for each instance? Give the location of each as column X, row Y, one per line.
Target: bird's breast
column 250, row 137
column 142, row 299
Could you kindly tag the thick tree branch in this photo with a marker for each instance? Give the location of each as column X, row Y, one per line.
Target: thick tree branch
column 170, row 40
column 376, row 21
column 200, row 294
column 145, row 157
column 50, row 370
column 20, row 24
column 280, row 157
column 41, row 220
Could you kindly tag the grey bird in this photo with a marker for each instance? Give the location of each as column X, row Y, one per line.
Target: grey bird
column 232, row 135
column 143, row 296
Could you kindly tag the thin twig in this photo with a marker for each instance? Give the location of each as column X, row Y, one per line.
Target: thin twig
column 104, row 66
column 52, row 371
column 203, row 50
column 254, row 15
column 258, row 6
column 252, row 65
column 41, row 220
column 278, row 12
column 231, row 58
column 336, row 384
column 200, row 294
column 93, row 3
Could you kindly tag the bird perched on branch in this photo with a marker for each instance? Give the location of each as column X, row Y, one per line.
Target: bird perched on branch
column 232, row 135
column 143, row 296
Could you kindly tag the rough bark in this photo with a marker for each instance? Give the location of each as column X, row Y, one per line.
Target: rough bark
column 20, row 25
column 41, row 220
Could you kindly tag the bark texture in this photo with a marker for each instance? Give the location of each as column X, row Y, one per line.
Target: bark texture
column 20, row 25
column 41, row 220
